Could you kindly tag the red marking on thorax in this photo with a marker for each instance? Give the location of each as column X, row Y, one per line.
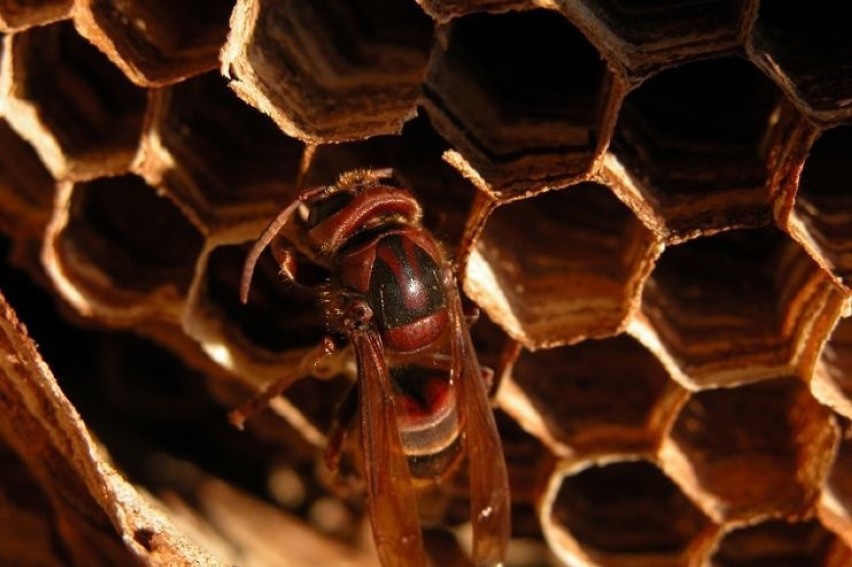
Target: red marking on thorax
column 367, row 208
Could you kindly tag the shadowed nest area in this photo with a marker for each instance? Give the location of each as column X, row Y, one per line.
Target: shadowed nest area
column 649, row 204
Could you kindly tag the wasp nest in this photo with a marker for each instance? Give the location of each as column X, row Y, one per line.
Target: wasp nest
column 651, row 203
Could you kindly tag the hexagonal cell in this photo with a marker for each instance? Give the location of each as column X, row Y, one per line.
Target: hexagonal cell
column 754, row 451
column 156, row 42
column 780, row 544
column 822, row 218
column 608, row 395
column 518, row 95
column 118, row 251
column 831, row 383
column 329, row 71
column 624, row 512
column 80, row 113
column 278, row 317
column 21, row 14
column 26, row 187
column 808, row 52
column 225, row 160
column 581, row 240
column 646, row 36
column 700, row 157
column 738, row 307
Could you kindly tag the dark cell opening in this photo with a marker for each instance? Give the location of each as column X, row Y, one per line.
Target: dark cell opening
column 627, row 508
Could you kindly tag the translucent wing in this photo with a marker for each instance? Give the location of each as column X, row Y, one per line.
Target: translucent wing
column 393, row 508
column 489, row 482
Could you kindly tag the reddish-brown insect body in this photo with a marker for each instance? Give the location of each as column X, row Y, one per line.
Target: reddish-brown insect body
column 421, row 397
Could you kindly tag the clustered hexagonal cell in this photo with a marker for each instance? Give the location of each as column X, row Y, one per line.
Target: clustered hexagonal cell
column 519, row 96
column 759, row 450
column 606, row 395
column 83, row 116
column 328, row 70
column 737, row 307
column 529, row 252
column 620, row 511
column 700, row 159
column 120, row 250
column 223, row 160
column 156, row 42
column 808, row 53
column 645, row 36
column 647, row 201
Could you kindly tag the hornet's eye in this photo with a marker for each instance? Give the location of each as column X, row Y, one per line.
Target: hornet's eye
column 324, row 208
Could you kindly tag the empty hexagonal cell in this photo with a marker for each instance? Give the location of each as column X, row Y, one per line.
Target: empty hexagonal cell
column 738, row 307
column 562, row 266
column 622, row 512
column 780, row 544
column 808, row 51
column 700, row 157
column 753, row 451
column 823, row 209
column 117, row 250
column 832, row 378
column 648, row 35
column 156, row 42
column 22, row 14
column 608, row 395
column 278, row 317
column 26, row 187
column 80, row 112
column 326, row 70
column 228, row 162
column 518, row 95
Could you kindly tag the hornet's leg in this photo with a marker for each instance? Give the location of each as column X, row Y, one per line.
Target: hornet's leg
column 239, row 416
column 339, row 428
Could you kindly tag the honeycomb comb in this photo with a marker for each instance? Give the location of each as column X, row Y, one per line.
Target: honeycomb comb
column 649, row 204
